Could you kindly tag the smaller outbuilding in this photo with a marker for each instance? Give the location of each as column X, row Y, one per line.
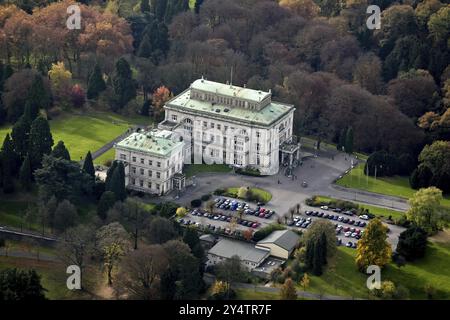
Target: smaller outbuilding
column 281, row 243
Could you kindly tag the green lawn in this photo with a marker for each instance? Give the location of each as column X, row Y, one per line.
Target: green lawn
column 250, row 294
column 264, row 195
column 90, row 131
column 195, row 169
column 381, row 212
column 342, row 277
column 394, row 186
column 106, row 157
column 53, row 277
column 12, row 214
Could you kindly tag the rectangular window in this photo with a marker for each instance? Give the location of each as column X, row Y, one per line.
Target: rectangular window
column 150, row 162
column 158, row 164
column 133, row 169
column 133, row 181
column 149, row 184
column 142, row 160
column 150, row 173
column 134, row 159
column 158, row 175
column 123, row 157
column 142, row 171
column 174, row 117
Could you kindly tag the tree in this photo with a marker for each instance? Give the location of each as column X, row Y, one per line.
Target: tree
column 77, row 247
column 436, row 157
column 242, row 192
column 287, row 291
column 21, row 285
column 160, row 97
column 20, row 134
column 96, row 84
column 140, row 273
column 316, row 231
column 88, row 165
column 160, row 230
column 60, row 151
column 8, row 164
column 123, row 83
column 145, row 6
column 105, row 203
column 113, row 243
column 425, row 210
column 117, row 183
column 38, row 96
column 25, row 174
column 63, row 179
column 439, row 25
column 60, row 79
column 373, row 248
column 66, row 216
column 305, row 281
column 183, row 279
column 145, row 47
column 412, row 243
column 231, row 271
column 192, row 239
column 181, row 212
column 349, row 141
column 41, row 141
column 77, row 96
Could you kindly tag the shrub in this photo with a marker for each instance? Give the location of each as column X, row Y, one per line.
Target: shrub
column 205, row 197
column 248, row 171
column 219, row 192
column 412, row 243
column 264, row 232
column 196, row 203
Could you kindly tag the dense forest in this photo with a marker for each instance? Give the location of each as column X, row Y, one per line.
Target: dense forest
column 390, row 86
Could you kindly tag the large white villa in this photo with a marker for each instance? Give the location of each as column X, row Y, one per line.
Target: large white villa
column 211, row 122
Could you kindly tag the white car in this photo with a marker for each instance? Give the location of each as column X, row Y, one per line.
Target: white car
column 324, row 207
column 296, row 219
column 364, row 217
column 348, row 234
column 353, row 235
column 298, row 224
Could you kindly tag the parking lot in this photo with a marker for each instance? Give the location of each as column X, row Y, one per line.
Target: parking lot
column 230, row 214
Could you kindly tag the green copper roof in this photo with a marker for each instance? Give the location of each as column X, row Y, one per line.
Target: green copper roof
column 229, row 90
column 265, row 117
column 156, row 143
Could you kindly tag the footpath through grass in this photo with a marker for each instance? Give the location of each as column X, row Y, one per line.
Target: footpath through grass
column 394, row 186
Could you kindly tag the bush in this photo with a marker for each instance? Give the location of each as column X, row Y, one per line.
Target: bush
column 196, row 203
column 248, row 171
column 264, row 232
column 205, row 197
column 219, row 192
column 412, row 243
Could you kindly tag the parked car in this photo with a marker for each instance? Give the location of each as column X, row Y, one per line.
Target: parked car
column 364, row 217
column 349, row 244
column 354, row 245
column 324, row 207
column 348, row 234
column 308, row 213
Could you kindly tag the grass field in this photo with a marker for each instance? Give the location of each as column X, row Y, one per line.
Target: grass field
column 53, row 278
column 342, row 277
column 194, row 169
column 394, row 186
column 12, row 214
column 381, row 212
column 250, row 294
column 262, row 194
column 90, row 131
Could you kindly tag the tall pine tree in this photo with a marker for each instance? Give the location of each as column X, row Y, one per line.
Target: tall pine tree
column 123, row 83
column 9, row 164
column 25, row 174
column 117, row 184
column 96, row 84
column 38, row 96
column 88, row 165
column 60, row 151
column 41, row 141
column 109, row 175
column 21, row 133
column 145, row 6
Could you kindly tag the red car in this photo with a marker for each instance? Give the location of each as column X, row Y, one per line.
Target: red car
column 262, row 210
column 255, row 225
column 261, row 215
